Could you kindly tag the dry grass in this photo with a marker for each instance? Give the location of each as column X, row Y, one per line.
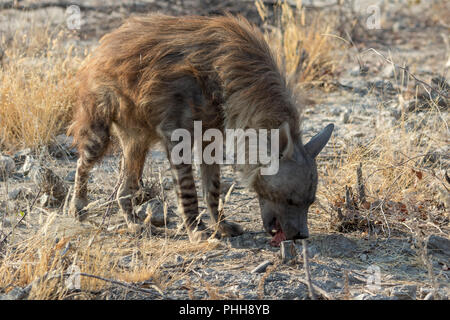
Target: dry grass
column 403, row 190
column 114, row 255
column 35, row 92
column 302, row 40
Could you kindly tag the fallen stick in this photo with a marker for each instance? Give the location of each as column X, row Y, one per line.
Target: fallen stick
column 319, row 290
column 53, row 275
column 124, row 284
column 307, row 271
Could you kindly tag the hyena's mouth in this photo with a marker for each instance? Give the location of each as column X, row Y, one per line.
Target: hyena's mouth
column 277, row 234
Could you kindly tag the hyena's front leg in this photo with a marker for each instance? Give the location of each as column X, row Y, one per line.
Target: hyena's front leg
column 211, row 194
column 188, row 202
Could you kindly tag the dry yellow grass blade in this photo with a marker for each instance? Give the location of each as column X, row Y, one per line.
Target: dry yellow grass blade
column 35, row 88
column 303, row 44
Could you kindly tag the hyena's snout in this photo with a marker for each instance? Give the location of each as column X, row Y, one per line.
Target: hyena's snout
column 284, row 222
column 294, row 223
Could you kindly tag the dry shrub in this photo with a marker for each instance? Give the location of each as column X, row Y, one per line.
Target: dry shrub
column 46, row 261
column 402, row 185
column 302, row 40
column 36, row 95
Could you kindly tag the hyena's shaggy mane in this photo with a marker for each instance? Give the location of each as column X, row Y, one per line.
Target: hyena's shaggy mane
column 127, row 78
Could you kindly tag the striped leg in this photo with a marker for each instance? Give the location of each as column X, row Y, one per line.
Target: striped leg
column 188, row 202
column 211, row 194
column 133, row 160
column 185, row 188
column 91, row 149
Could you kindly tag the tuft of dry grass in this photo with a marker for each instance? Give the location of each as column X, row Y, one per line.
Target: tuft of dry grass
column 303, row 42
column 36, row 95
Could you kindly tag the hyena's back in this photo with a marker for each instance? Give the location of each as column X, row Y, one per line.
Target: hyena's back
column 142, row 71
column 160, row 73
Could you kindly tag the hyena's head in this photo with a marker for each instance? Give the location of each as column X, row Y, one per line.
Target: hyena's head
column 285, row 197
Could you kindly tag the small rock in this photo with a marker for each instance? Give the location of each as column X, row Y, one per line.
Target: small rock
column 363, row 257
column 5, row 223
column 404, row 292
column 335, row 112
column 345, row 118
column 29, row 163
column 432, row 157
column 262, row 267
column 357, row 134
column 15, row 193
column 70, row 177
column 437, row 244
column 21, row 155
column 7, row 206
column 17, row 293
column 178, row 259
column 125, row 261
column 7, row 167
column 49, row 182
column 153, row 210
column 63, row 147
column 384, row 85
column 312, row 249
column 336, row 246
column 367, row 296
column 426, row 293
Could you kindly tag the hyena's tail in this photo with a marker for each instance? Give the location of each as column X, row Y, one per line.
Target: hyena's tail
column 91, row 126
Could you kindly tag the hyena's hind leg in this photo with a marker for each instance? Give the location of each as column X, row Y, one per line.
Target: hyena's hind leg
column 93, row 142
column 133, row 160
column 211, row 194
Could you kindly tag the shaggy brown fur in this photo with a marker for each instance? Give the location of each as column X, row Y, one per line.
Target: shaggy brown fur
column 159, row 73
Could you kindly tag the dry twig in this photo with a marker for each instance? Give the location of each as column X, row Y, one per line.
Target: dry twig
column 307, row 270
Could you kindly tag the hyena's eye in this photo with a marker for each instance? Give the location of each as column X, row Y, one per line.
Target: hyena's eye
column 290, row 202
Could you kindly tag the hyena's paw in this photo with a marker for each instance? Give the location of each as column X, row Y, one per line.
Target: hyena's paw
column 230, row 229
column 198, row 234
column 134, row 223
column 77, row 210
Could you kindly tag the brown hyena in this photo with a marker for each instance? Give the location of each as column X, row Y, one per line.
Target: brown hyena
column 159, row 73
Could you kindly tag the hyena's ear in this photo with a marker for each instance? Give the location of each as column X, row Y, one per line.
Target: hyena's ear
column 286, row 143
column 316, row 144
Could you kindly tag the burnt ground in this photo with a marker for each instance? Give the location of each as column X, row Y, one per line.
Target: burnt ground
column 341, row 263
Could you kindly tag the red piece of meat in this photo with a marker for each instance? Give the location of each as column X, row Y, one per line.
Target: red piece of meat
column 277, row 238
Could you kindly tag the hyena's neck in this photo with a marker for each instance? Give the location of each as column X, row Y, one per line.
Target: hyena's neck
column 256, row 94
column 267, row 109
column 240, row 113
